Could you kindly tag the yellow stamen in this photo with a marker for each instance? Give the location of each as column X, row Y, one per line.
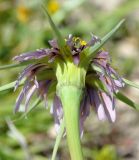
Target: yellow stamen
column 80, row 41
column 83, row 43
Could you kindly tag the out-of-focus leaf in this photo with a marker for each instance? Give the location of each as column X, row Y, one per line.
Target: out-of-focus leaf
column 105, row 21
column 107, row 152
column 66, row 8
column 16, row 134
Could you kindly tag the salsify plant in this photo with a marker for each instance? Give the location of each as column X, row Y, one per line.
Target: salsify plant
column 71, row 77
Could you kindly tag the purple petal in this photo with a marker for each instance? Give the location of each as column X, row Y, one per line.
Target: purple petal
column 26, row 72
column 18, row 101
column 111, row 72
column 29, row 95
column 76, row 59
column 93, row 40
column 96, row 102
column 38, row 54
column 43, row 87
column 57, row 110
column 22, row 94
column 107, row 82
column 102, row 59
column 53, row 43
column 84, row 112
column 101, row 113
column 103, row 55
column 52, row 58
column 118, row 83
column 108, row 107
column 70, row 42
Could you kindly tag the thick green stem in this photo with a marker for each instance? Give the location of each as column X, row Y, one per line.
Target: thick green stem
column 71, row 98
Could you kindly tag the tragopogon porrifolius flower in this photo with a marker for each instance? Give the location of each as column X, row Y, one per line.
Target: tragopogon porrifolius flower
column 71, row 77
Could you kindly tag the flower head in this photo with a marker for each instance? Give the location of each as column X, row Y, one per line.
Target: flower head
column 41, row 78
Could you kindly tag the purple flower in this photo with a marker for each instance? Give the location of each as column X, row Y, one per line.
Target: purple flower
column 40, row 79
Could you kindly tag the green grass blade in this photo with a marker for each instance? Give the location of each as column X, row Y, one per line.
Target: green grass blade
column 9, row 86
column 58, row 139
column 126, row 100
column 98, row 45
column 131, row 83
column 61, row 41
column 11, row 66
column 24, row 63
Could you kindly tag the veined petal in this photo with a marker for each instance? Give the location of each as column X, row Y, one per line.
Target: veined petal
column 43, row 86
column 93, row 40
column 29, row 95
column 103, row 55
column 108, row 107
column 53, row 43
column 57, row 111
column 22, row 94
column 118, row 83
column 97, row 104
column 27, row 72
column 38, row 54
column 116, row 77
column 101, row 113
column 84, row 112
column 76, row 59
column 19, row 101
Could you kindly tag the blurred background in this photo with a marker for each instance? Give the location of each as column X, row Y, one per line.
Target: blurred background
column 24, row 27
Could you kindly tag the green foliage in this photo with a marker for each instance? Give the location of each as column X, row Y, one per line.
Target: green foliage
column 108, row 152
